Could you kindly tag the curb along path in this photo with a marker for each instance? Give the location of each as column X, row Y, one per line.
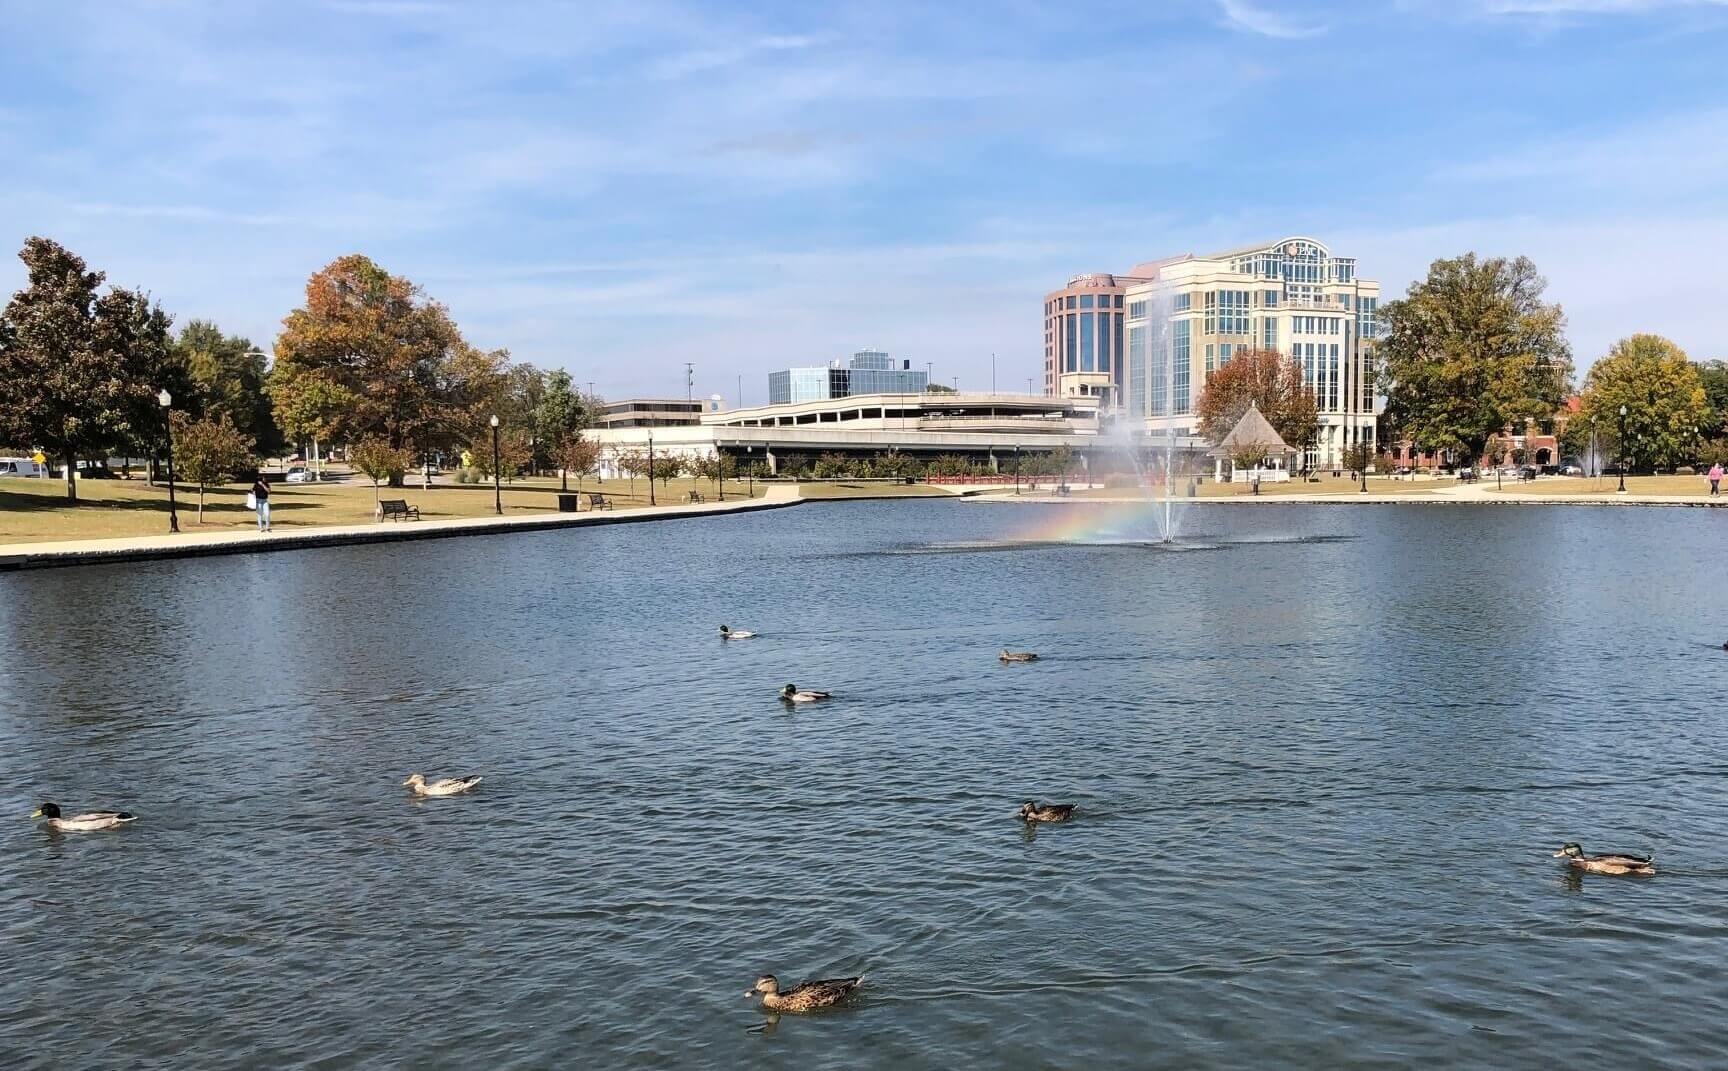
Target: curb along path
column 193, row 545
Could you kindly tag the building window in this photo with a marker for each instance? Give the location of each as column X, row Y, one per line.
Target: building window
column 1137, row 372
column 1085, row 301
column 1118, row 301
column 1271, row 297
column 1071, row 300
column 1182, row 303
column 1366, row 324
column 1211, row 359
column 1113, row 361
column 1136, row 310
column 1182, row 371
column 1070, row 354
column 1088, row 344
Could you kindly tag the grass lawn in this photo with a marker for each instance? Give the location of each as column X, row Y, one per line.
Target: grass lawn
column 837, row 489
column 1670, row 486
column 36, row 510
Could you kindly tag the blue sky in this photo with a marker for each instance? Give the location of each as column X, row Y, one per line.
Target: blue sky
column 620, row 188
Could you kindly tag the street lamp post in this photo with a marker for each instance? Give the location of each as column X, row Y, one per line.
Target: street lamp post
column 1622, row 489
column 164, row 399
column 497, row 493
column 720, row 469
column 651, row 501
column 1016, row 468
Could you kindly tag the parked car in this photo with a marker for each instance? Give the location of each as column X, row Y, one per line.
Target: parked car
column 301, row 476
column 1571, row 470
column 1529, row 472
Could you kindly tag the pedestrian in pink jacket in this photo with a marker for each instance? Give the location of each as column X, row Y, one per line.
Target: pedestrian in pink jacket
column 1715, row 480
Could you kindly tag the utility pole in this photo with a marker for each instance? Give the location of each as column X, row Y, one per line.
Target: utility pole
column 689, row 382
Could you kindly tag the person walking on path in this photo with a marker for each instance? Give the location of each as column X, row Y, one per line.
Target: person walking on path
column 1715, row 479
column 261, row 499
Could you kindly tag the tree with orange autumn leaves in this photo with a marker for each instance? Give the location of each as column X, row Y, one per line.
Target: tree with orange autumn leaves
column 396, row 359
column 1268, row 379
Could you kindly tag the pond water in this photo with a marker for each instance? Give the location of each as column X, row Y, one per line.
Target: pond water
column 1321, row 769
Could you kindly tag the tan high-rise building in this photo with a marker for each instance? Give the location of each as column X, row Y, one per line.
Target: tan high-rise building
column 1083, row 347
column 1187, row 315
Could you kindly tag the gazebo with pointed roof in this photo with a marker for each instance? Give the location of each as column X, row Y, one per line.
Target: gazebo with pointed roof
column 1252, row 433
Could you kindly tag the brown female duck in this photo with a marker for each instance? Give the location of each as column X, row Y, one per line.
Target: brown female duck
column 806, row 996
column 1049, row 812
column 1608, row 863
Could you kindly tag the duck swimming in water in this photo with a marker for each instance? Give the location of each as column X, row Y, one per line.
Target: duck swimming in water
column 793, row 694
column 1050, row 812
column 729, row 633
column 1017, row 656
column 88, row 822
column 1608, row 863
column 444, row 786
column 806, row 996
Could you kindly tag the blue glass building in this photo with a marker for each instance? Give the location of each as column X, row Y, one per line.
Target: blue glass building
column 869, row 372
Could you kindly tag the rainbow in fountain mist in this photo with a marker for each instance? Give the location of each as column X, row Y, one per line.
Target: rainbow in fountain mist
column 1103, row 522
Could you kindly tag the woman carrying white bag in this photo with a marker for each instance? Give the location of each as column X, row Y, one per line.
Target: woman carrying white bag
column 259, row 499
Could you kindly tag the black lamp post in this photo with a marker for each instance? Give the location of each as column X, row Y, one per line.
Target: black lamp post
column 497, row 493
column 720, row 469
column 1622, row 489
column 651, row 467
column 750, row 470
column 164, row 399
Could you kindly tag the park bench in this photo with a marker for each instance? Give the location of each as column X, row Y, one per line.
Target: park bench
column 598, row 502
column 397, row 508
column 693, row 496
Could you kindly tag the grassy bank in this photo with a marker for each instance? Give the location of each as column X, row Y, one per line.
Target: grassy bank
column 36, row 510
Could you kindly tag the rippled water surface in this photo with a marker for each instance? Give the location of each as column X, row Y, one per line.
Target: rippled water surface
column 1320, row 767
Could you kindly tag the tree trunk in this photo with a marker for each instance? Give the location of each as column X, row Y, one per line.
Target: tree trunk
column 71, row 478
column 564, row 480
column 200, row 501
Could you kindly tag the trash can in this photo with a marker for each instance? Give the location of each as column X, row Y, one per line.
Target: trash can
column 567, row 503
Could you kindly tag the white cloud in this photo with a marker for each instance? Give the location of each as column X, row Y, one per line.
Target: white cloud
column 1241, row 15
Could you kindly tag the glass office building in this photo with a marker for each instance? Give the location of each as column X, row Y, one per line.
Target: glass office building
column 869, row 372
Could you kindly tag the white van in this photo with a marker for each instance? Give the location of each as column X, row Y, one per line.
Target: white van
column 19, row 466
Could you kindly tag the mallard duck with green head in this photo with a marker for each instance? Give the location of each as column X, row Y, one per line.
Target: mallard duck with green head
column 806, row 996
column 444, row 786
column 1049, row 812
column 794, row 694
column 88, row 822
column 1608, row 863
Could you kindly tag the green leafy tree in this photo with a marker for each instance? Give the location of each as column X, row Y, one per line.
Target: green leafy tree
column 78, row 368
column 229, row 378
column 306, row 405
column 1358, row 456
column 559, row 417
column 1667, row 406
column 1470, row 350
column 938, row 388
column 380, row 462
column 1714, row 376
column 208, row 451
column 667, row 468
column 395, row 359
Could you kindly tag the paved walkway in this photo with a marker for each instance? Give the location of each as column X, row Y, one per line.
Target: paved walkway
column 198, row 544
